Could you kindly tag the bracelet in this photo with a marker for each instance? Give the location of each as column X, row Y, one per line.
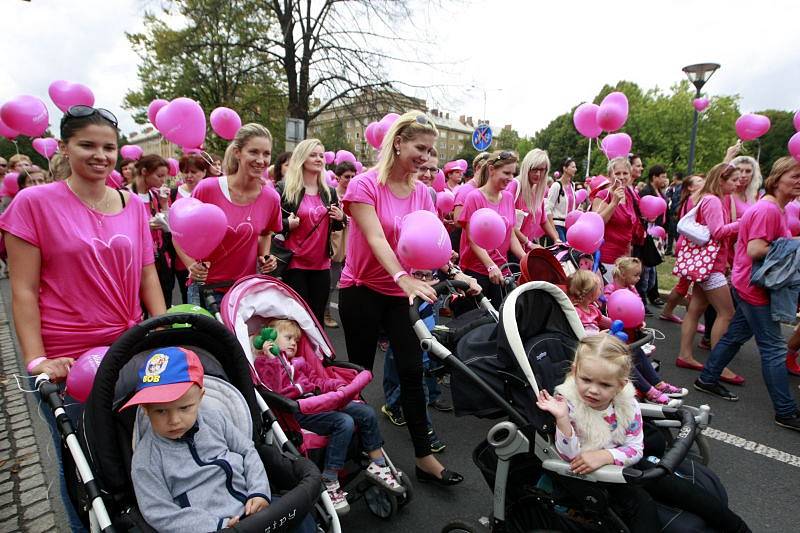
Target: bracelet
column 399, row 275
column 491, row 268
column 33, row 364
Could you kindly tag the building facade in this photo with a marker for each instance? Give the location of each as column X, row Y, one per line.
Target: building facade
column 152, row 142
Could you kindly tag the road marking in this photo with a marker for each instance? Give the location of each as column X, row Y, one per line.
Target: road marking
column 752, row 446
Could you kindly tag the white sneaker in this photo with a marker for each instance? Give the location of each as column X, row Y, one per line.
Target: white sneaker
column 382, row 475
column 338, row 497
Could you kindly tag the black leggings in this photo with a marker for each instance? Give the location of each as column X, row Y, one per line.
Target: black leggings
column 364, row 313
column 312, row 286
column 182, row 276
column 490, row 290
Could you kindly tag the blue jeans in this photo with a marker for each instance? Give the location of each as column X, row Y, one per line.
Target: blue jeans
column 646, row 282
column 562, row 233
column 750, row 320
column 193, row 296
column 338, row 426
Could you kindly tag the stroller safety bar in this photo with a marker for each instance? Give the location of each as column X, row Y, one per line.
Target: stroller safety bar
column 50, row 394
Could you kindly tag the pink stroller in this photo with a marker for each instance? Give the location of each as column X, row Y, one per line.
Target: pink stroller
column 249, row 306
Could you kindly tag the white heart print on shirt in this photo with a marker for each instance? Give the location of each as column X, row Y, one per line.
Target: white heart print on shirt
column 117, row 251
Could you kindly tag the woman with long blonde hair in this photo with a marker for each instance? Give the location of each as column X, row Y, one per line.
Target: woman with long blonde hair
column 530, row 202
column 311, row 211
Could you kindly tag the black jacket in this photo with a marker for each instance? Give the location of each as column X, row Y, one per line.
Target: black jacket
column 288, row 207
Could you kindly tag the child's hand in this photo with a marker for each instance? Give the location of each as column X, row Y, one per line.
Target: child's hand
column 266, row 350
column 254, row 505
column 588, row 462
column 556, row 406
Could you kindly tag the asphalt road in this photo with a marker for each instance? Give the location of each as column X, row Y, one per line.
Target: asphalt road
column 763, row 484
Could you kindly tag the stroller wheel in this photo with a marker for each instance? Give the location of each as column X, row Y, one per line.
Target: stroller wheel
column 380, row 502
column 463, row 526
column 409, row 495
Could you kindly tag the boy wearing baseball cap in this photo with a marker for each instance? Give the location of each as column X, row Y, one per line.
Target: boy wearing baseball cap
column 192, row 470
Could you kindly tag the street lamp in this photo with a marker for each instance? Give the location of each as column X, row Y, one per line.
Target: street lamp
column 698, row 74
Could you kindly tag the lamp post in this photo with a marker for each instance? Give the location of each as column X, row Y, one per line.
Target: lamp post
column 698, row 74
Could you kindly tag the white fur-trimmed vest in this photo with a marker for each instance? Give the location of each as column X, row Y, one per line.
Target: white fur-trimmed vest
column 594, row 432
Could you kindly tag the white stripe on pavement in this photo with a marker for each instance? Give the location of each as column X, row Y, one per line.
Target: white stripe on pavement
column 752, row 446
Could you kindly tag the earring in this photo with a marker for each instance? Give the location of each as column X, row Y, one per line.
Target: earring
column 397, row 152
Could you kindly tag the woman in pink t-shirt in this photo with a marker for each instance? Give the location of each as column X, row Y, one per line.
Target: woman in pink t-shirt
column 714, row 211
column 375, row 288
column 484, row 265
column 746, row 193
column 311, row 211
column 616, row 206
column 530, row 202
column 253, row 212
column 762, row 224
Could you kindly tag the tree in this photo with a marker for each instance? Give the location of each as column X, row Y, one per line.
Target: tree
column 334, row 138
column 773, row 144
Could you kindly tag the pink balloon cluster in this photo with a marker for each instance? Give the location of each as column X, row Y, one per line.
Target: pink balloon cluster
column 376, row 131
column 26, row 115
column 182, row 122
column 80, row 379
column 627, row 306
column 586, row 234
column 751, row 126
column 701, row 104
column 197, row 227
column 225, row 122
column 66, row 94
column 45, row 146
column 153, row 109
column 487, row 228
column 131, row 151
column 424, row 243
column 652, row 207
column 114, row 180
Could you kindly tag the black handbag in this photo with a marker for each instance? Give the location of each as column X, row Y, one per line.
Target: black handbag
column 282, row 254
column 648, row 252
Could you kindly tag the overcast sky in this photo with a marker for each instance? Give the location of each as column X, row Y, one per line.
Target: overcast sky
column 535, row 59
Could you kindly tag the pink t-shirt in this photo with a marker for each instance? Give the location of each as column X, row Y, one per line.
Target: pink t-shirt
column 309, row 240
column 362, row 267
column 91, row 268
column 741, row 206
column 619, row 228
column 533, row 224
column 609, row 289
column 764, row 220
column 463, row 191
column 236, row 256
column 505, row 208
column 592, row 319
column 716, row 214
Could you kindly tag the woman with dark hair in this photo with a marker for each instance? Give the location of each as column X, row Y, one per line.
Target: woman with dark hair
column 561, row 197
column 280, row 167
column 148, row 183
column 31, row 176
column 96, row 247
column 128, row 170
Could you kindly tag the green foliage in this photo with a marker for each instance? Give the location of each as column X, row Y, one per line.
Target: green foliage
column 334, row 138
column 773, row 144
column 24, row 146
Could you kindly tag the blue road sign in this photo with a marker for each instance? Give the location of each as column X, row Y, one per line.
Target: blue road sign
column 482, row 137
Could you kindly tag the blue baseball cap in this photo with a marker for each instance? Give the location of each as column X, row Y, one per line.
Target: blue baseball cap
column 166, row 375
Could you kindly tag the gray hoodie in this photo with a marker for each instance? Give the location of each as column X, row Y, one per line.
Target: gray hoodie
column 196, row 483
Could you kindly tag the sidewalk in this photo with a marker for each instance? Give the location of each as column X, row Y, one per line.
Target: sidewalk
column 29, row 493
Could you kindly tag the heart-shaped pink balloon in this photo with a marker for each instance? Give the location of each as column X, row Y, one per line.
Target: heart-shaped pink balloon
column 225, row 122
column 700, row 104
column 182, row 122
column 796, row 121
column 66, row 94
column 616, row 145
column 585, row 120
column 46, row 147
column 344, row 155
column 25, row 114
column 751, row 126
column 10, row 183
column 153, row 109
column 794, row 146
column 114, row 180
column 172, row 166
column 198, row 228
column 131, row 151
column 329, row 157
column 7, row 132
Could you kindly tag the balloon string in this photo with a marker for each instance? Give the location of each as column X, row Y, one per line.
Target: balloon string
column 16, row 146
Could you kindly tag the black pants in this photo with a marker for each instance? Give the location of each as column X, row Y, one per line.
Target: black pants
column 490, row 290
column 312, row 286
column 182, row 276
column 166, row 277
column 364, row 313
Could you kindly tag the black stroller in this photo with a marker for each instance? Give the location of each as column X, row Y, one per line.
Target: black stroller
column 498, row 372
column 99, row 459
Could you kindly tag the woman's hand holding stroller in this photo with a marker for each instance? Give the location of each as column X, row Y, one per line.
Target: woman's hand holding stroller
column 416, row 288
column 198, row 270
column 588, row 462
column 495, row 276
column 56, row 369
column 474, row 287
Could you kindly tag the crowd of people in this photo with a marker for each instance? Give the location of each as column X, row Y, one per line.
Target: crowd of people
column 113, row 247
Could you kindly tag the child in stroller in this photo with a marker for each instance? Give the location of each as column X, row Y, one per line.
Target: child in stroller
column 285, row 371
column 598, row 422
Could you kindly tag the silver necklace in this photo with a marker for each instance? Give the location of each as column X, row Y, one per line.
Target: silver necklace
column 95, row 208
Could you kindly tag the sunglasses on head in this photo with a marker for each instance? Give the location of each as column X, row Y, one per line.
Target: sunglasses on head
column 502, row 156
column 83, row 111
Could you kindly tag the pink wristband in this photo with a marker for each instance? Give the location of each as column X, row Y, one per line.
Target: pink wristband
column 399, row 275
column 33, row 364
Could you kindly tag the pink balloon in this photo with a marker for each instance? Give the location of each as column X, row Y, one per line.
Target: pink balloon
column 80, row 379
column 424, row 243
column 114, row 180
column 45, row 146
column 330, row 177
column 369, row 135
column 198, row 228
column 131, row 151
column 7, row 132
column 792, row 209
column 329, row 157
column 657, row 232
column 751, row 126
column 183, row 203
column 439, row 183
column 572, row 218
column 794, row 226
column 445, row 201
column 652, row 207
column 701, row 104
column 487, row 228
column 359, row 167
column 380, row 132
column 625, row 305
column 11, row 184
column 556, row 174
column 182, row 122
column 344, row 155
column 25, row 114
column 580, row 196
column 225, row 122
column 796, row 121
column 585, row 120
column 616, row 145
column 389, row 119
column 794, row 146
column 172, row 166
column 153, row 109
column 586, row 234
column 611, row 116
column 617, row 98
column 66, row 94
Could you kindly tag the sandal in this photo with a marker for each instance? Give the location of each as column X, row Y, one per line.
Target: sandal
column 671, row 318
column 382, row 475
column 448, row 477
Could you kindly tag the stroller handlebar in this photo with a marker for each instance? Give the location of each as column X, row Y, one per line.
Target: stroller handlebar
column 441, row 288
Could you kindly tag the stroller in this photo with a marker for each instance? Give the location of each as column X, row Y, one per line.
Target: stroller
column 503, row 368
column 245, row 309
column 99, row 459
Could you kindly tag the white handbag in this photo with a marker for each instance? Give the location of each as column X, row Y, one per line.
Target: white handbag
column 689, row 227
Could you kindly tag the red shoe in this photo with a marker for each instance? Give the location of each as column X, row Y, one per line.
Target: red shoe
column 680, row 363
column 792, row 364
column 735, row 380
column 671, row 318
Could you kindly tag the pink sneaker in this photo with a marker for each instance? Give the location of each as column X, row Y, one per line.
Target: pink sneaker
column 659, row 398
column 701, row 329
column 671, row 390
